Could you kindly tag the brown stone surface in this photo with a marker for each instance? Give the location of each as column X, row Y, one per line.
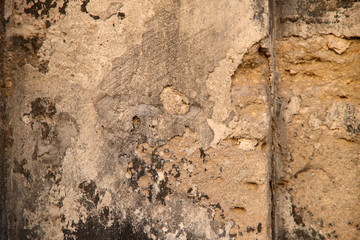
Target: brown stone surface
column 319, row 126
column 317, row 120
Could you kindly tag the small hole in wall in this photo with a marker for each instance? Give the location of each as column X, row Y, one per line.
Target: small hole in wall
column 121, row 15
column 238, row 209
column 136, row 122
column 264, row 146
column 343, row 96
column 252, row 185
column 282, row 182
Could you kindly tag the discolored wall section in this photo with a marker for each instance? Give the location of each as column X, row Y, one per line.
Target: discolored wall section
column 138, row 119
column 305, row 18
column 179, row 119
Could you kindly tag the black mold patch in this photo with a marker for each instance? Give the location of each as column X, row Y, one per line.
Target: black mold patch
column 139, row 168
column 83, row 6
column 24, row 50
column 44, row 67
column 47, row 23
column 121, row 15
column 62, row 9
column 157, row 160
column 50, row 176
column 137, row 171
column 26, row 234
column 175, row 171
column 196, row 196
column 19, row 168
column 40, row 8
column 45, row 130
column 192, row 236
column 29, row 45
column 259, row 228
column 93, row 229
column 250, row 229
column 308, row 235
column 164, row 191
column 83, row 9
column 203, row 155
column 90, row 197
column 42, row 107
column 301, row 234
column 104, row 215
column 232, row 235
column 297, row 218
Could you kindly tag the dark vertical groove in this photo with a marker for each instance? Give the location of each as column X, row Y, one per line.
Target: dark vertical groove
column 3, row 132
column 274, row 81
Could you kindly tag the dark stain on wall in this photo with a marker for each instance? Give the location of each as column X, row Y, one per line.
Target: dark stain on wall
column 352, row 125
column 259, row 228
column 94, row 228
column 346, row 3
column 90, row 196
column 42, row 107
column 309, row 11
column 301, row 234
column 52, row 133
column 24, row 50
column 62, row 9
column 138, row 168
column 83, row 9
column 297, row 217
column 19, row 168
column 40, row 8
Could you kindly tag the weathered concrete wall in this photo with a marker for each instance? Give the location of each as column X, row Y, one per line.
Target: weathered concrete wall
column 138, row 119
column 180, row 119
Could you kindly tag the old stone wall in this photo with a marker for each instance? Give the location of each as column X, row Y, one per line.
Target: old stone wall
column 180, row 119
column 318, row 120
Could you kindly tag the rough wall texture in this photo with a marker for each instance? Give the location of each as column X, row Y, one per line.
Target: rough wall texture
column 138, row 119
column 318, row 120
column 168, row 119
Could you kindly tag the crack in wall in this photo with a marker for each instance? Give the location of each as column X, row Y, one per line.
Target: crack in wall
column 274, row 81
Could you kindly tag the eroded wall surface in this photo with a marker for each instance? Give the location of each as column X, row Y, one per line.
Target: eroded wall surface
column 318, row 120
column 138, row 119
column 180, row 119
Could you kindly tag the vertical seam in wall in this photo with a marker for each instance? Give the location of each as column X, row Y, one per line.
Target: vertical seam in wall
column 274, row 80
column 3, row 130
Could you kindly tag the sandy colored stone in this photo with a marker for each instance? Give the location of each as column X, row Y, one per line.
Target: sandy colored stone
column 337, row 44
column 318, row 191
column 174, row 102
